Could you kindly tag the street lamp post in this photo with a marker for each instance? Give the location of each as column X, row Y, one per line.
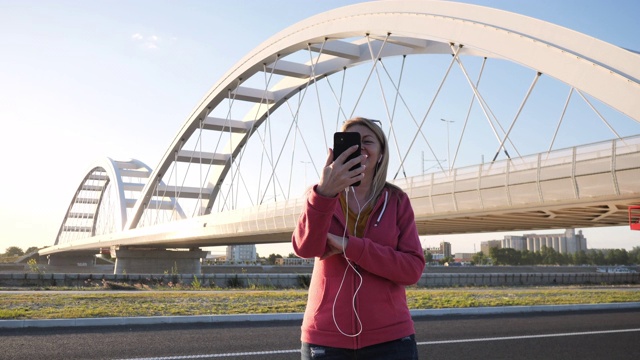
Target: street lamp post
column 448, row 150
column 305, row 170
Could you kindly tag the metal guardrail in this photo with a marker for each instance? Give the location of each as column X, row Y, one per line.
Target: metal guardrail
column 274, row 280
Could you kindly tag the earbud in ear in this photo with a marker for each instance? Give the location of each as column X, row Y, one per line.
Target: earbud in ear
column 380, row 160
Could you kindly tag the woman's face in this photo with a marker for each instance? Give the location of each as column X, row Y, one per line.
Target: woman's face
column 370, row 146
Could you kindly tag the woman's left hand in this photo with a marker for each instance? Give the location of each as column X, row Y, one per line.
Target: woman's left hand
column 336, row 245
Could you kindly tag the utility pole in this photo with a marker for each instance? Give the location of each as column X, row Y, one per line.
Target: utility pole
column 448, row 148
column 305, row 171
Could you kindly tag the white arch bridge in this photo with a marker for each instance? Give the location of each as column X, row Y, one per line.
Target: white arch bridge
column 555, row 112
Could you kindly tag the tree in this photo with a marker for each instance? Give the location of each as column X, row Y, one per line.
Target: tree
column 272, row 258
column 495, row 255
column 428, row 257
column 528, row 258
column 13, row 251
column 480, row 258
column 549, row 256
column 563, row 259
column 617, row 257
column 506, row 256
column 596, row 257
column 634, row 255
column 446, row 259
column 31, row 250
column 580, row 258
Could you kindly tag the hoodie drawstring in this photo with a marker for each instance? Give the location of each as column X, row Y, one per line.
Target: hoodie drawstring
column 384, row 206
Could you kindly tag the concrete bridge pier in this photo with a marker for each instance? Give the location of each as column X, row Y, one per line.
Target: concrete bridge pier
column 75, row 258
column 158, row 261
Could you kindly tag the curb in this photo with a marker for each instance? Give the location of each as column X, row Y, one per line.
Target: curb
column 154, row 320
column 147, row 320
column 524, row 309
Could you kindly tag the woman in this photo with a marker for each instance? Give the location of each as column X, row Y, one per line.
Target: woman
column 367, row 249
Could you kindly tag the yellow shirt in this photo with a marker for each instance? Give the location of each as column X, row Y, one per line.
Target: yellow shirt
column 352, row 216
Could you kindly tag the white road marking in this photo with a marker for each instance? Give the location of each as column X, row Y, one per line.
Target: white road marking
column 211, row 356
column 527, row 337
column 440, row 342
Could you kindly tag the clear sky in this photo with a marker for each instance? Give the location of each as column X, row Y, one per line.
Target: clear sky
column 82, row 80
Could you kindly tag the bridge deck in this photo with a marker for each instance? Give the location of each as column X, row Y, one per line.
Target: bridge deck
column 587, row 186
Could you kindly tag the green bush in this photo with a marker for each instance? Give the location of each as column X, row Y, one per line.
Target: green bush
column 234, row 282
column 304, row 281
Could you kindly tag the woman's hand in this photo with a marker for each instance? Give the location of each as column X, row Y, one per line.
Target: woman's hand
column 336, row 245
column 336, row 175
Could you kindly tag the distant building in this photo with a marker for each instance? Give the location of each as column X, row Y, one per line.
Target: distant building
column 567, row 243
column 440, row 252
column 516, row 242
column 463, row 257
column 241, row 253
column 435, row 253
column 445, row 248
column 486, row 246
column 211, row 257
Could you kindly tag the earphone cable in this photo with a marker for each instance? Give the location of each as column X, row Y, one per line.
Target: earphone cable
column 349, row 264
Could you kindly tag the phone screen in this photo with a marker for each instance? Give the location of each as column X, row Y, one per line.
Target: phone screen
column 344, row 140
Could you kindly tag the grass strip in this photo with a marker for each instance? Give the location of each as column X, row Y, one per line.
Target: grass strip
column 66, row 305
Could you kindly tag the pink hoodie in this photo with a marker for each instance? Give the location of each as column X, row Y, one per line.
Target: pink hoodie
column 388, row 257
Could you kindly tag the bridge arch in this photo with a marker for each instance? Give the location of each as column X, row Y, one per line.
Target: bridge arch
column 365, row 33
column 110, row 186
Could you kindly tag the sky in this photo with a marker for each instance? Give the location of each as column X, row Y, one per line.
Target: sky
column 82, row 80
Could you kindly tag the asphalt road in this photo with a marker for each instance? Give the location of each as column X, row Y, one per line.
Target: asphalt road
column 582, row 335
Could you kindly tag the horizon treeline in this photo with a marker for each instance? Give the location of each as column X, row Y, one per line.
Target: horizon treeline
column 549, row 256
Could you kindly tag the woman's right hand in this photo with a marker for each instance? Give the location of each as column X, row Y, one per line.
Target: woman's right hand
column 336, row 175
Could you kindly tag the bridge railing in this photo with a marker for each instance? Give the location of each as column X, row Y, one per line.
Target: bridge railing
column 598, row 169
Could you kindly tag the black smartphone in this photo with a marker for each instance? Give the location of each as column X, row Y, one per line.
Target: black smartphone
column 344, row 140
